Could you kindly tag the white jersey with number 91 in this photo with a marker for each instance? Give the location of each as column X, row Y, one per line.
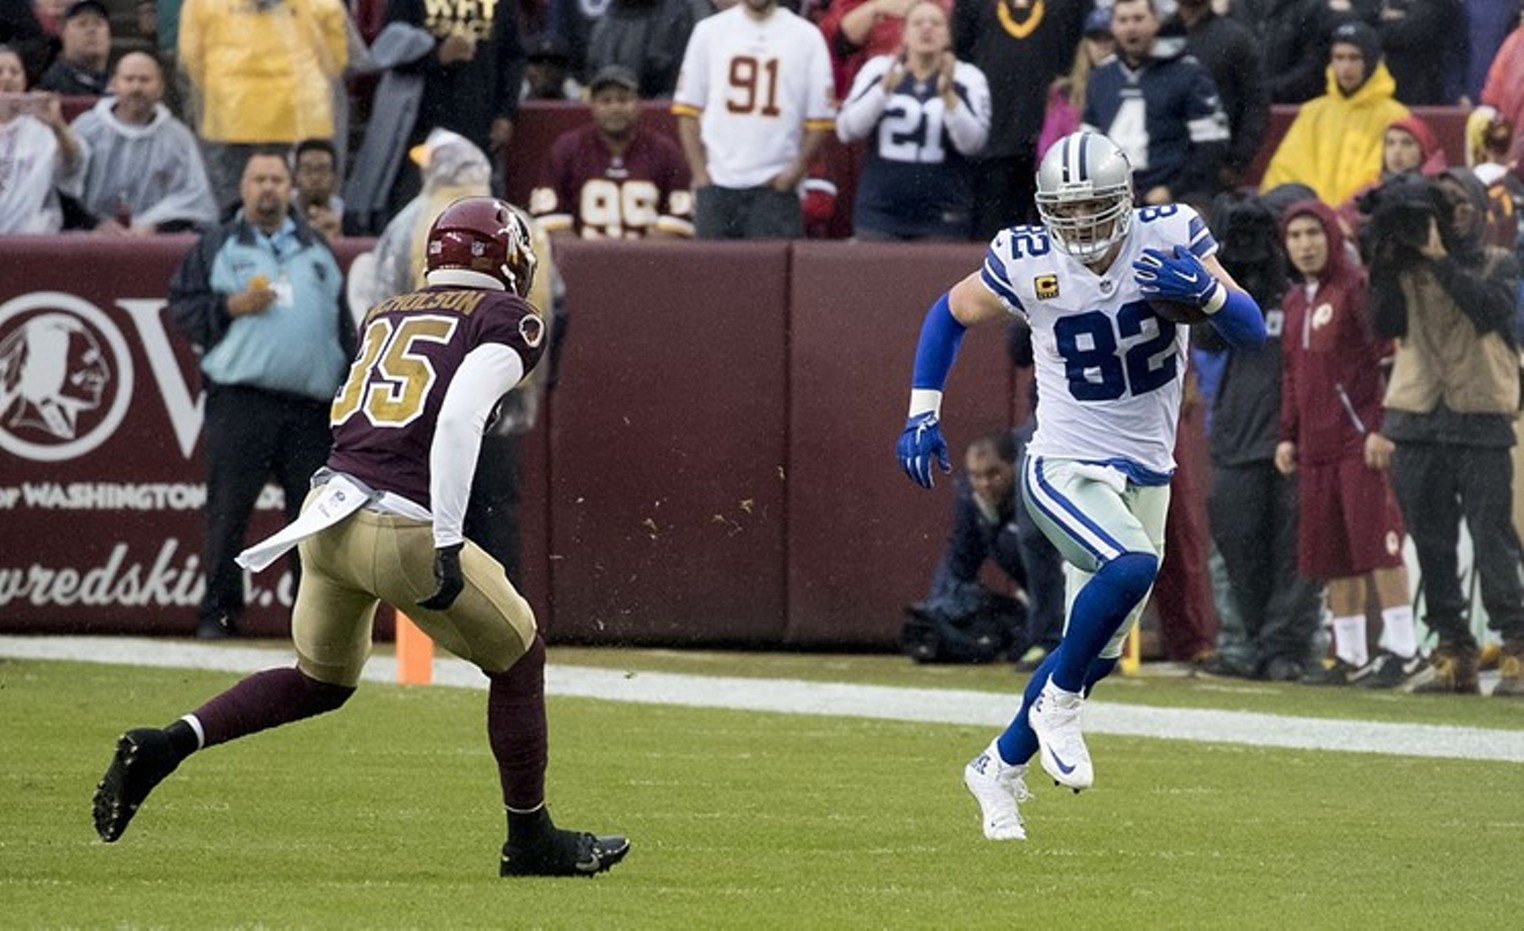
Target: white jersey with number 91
column 1109, row 369
column 755, row 86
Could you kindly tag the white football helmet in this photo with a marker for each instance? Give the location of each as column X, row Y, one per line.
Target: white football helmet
column 1084, row 194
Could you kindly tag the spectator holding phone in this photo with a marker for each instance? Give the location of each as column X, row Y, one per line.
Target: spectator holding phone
column 314, row 191
column 40, row 154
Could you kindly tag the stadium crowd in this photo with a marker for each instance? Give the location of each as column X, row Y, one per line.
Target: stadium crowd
column 942, row 108
column 945, row 103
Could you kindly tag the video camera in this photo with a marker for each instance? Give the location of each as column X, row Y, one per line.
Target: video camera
column 1401, row 210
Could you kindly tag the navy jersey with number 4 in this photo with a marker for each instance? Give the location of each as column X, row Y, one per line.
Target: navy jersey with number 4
column 1109, row 370
column 1166, row 115
column 385, row 413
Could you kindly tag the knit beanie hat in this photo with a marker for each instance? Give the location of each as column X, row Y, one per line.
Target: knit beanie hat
column 1356, row 33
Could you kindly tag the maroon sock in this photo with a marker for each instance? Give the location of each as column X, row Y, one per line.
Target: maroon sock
column 267, row 699
column 516, row 728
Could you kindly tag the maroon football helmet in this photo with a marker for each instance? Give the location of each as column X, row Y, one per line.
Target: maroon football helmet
column 484, row 234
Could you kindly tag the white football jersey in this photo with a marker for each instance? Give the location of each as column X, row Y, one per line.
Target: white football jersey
column 1109, row 369
column 755, row 86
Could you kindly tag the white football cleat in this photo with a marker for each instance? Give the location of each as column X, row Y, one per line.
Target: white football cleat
column 997, row 786
column 1055, row 719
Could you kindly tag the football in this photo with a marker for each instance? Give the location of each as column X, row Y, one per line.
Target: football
column 1177, row 312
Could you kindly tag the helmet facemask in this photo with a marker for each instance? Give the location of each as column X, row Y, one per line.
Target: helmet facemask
column 1088, row 225
column 1084, row 195
column 520, row 262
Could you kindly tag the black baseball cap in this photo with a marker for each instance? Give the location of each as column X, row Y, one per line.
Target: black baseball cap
column 87, row 6
column 614, row 74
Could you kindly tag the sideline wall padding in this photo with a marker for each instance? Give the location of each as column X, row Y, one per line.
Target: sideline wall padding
column 715, row 465
column 669, row 444
column 863, row 540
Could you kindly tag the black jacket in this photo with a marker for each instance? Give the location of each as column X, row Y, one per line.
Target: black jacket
column 1019, row 68
column 646, row 36
column 1429, row 39
column 466, row 96
column 1231, row 54
column 1296, row 46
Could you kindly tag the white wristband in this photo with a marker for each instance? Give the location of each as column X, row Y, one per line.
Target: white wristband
column 925, row 400
column 1219, row 297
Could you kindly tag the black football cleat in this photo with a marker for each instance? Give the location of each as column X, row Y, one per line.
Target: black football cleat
column 143, row 758
column 566, row 853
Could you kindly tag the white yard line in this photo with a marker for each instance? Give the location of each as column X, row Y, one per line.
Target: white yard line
column 792, row 696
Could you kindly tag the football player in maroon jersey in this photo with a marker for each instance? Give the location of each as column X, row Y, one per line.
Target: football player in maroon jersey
column 383, row 523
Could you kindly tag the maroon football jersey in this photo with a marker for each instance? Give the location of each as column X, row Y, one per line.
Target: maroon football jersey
column 384, row 414
column 600, row 195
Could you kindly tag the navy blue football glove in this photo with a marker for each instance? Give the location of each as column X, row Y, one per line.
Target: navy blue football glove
column 1180, row 277
column 447, row 573
column 921, row 441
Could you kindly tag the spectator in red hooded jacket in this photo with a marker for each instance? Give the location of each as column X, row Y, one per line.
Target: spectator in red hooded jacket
column 1407, row 145
column 1349, row 527
column 1505, row 78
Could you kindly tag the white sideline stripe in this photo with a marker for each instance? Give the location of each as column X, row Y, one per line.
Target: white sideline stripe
column 790, row 696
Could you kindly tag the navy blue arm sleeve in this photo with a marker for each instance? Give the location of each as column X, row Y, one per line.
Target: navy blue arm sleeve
column 1240, row 322
column 941, row 335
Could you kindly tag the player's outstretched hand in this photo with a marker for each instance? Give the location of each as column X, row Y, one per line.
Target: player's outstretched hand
column 919, row 444
column 447, row 573
column 1179, row 277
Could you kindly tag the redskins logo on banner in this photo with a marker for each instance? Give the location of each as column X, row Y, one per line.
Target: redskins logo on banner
column 65, row 377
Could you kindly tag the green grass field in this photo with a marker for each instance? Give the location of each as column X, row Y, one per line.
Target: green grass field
column 387, row 815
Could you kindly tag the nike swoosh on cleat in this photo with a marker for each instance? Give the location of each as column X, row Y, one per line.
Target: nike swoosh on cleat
column 1063, row 767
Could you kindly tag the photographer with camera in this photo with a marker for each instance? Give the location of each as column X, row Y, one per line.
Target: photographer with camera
column 964, row 620
column 1450, row 301
column 1252, row 506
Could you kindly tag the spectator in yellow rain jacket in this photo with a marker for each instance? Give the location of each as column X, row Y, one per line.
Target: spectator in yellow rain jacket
column 264, row 73
column 1334, row 145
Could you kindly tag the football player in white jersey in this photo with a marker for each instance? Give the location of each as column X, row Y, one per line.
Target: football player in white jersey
column 1103, row 287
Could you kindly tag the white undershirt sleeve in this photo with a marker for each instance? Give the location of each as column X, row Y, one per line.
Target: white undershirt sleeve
column 865, row 103
column 968, row 123
column 486, row 374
